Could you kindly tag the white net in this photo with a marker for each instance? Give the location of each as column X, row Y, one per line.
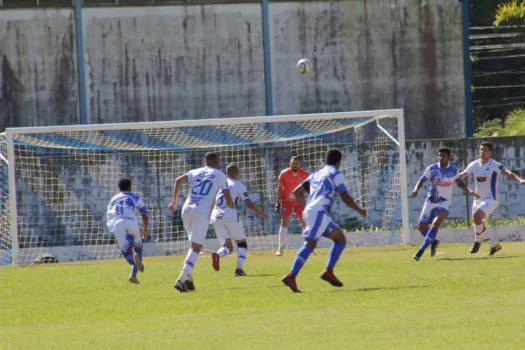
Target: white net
column 66, row 176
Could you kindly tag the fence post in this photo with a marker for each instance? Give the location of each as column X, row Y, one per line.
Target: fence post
column 267, row 57
column 469, row 126
column 80, row 63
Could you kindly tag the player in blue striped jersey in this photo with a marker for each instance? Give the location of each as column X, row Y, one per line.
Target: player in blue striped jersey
column 441, row 176
column 322, row 187
column 122, row 222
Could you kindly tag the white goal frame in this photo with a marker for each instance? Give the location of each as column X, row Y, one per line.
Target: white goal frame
column 376, row 114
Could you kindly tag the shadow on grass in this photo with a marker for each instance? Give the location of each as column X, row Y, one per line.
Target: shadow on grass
column 480, row 258
column 372, row 289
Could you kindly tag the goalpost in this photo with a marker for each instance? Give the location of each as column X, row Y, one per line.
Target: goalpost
column 55, row 182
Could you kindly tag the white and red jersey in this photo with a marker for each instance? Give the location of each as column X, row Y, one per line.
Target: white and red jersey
column 486, row 177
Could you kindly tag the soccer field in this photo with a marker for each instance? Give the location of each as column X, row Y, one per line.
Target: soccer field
column 389, row 301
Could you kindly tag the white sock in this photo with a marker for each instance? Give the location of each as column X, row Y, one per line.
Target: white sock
column 223, row 251
column 187, row 269
column 241, row 256
column 282, row 235
column 490, row 236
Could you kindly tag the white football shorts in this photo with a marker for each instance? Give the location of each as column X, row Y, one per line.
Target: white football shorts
column 487, row 205
column 127, row 233
column 229, row 229
column 196, row 225
column 317, row 224
column 429, row 211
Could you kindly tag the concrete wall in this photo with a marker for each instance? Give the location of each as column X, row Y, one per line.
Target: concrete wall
column 180, row 62
column 38, row 72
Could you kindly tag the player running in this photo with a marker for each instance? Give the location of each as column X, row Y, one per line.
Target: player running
column 322, row 187
column 122, row 223
column 227, row 223
column 440, row 176
column 289, row 179
column 486, row 171
column 204, row 183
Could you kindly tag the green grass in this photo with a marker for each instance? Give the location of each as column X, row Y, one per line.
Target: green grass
column 389, row 301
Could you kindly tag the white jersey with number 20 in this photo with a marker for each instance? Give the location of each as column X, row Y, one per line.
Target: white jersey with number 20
column 204, row 183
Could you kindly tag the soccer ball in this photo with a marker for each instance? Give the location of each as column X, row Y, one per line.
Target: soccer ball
column 304, row 66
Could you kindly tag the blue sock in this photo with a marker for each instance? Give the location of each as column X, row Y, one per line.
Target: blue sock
column 129, row 258
column 335, row 253
column 429, row 238
column 300, row 258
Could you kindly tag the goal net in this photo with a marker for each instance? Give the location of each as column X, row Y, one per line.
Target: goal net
column 60, row 179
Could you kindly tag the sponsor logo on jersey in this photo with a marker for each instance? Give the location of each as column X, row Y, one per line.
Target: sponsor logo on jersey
column 443, row 182
column 481, row 178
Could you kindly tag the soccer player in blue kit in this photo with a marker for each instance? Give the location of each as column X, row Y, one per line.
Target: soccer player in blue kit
column 441, row 176
column 322, row 187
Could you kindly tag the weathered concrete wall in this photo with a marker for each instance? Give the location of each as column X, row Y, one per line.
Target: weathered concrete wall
column 165, row 63
column 180, row 62
column 372, row 54
column 38, row 73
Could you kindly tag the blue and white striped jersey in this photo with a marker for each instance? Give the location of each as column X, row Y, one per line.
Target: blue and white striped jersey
column 123, row 205
column 324, row 184
column 440, row 182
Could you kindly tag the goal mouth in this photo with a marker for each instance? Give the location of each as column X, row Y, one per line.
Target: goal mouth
column 62, row 177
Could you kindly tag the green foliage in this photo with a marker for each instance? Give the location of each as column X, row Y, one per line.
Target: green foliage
column 514, row 125
column 510, row 13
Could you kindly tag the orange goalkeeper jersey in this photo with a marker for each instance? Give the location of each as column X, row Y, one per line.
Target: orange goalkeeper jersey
column 290, row 180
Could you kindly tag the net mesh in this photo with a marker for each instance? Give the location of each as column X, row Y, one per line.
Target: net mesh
column 64, row 180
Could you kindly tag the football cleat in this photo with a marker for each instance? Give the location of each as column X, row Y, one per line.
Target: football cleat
column 495, row 249
column 475, row 247
column 138, row 263
column 433, row 248
column 280, row 251
column 180, row 286
column 289, row 280
column 188, row 284
column 240, row 272
column 134, row 280
column 215, row 261
column 417, row 255
column 329, row 277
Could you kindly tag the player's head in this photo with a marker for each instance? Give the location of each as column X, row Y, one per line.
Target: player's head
column 124, row 184
column 211, row 159
column 443, row 154
column 485, row 150
column 295, row 163
column 333, row 157
column 232, row 170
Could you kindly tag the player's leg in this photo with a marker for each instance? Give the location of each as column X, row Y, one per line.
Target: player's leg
column 237, row 233
column 439, row 214
column 339, row 239
column 286, row 212
column 125, row 242
column 481, row 211
column 299, row 212
column 221, row 230
column 134, row 230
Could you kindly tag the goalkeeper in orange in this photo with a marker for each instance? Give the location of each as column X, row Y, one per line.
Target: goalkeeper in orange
column 286, row 203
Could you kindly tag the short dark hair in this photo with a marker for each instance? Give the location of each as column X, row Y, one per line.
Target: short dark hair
column 232, row 168
column 296, row 158
column 333, row 156
column 211, row 157
column 445, row 150
column 124, row 183
column 487, row 144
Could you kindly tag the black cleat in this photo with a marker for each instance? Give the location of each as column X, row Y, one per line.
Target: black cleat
column 329, row 277
column 417, row 256
column 289, row 280
column 475, row 247
column 433, row 248
column 180, row 286
column 240, row 272
column 188, row 284
column 495, row 249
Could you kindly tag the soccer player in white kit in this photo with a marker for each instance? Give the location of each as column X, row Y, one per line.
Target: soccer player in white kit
column 122, row 223
column 204, row 183
column 485, row 171
column 441, row 176
column 227, row 223
column 322, row 187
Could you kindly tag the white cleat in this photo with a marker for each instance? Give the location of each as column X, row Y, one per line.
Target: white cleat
column 280, row 251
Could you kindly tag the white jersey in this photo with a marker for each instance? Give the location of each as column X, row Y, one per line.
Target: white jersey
column 486, row 177
column 204, row 183
column 123, row 205
column 221, row 211
column 323, row 187
column 440, row 182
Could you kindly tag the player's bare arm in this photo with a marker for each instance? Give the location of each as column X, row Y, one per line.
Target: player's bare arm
column 278, row 195
column 145, row 220
column 463, row 174
column 349, row 201
column 467, row 189
column 229, row 199
column 300, row 195
column 255, row 208
column 172, row 207
column 417, row 187
column 513, row 176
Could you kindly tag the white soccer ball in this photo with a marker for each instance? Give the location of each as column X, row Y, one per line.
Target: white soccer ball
column 304, row 66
